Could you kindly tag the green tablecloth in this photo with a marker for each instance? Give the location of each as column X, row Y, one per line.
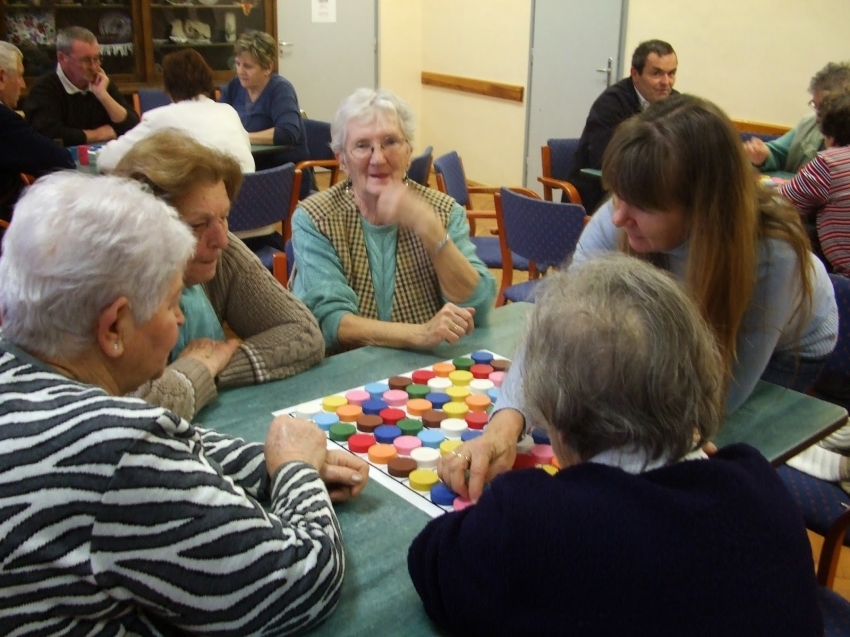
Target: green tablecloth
column 378, row 597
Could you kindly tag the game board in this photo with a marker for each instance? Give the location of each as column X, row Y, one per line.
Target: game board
column 403, row 424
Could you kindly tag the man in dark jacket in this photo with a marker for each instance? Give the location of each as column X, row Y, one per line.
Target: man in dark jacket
column 77, row 103
column 21, row 148
column 652, row 76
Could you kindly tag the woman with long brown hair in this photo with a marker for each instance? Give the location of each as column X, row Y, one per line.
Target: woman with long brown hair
column 685, row 198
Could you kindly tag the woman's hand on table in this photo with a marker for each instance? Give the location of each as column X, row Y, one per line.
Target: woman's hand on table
column 449, row 325
column 476, row 462
column 293, row 439
column 214, row 355
column 344, row 474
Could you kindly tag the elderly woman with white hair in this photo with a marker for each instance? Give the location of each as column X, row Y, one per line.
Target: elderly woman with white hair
column 119, row 517
column 640, row 532
column 380, row 259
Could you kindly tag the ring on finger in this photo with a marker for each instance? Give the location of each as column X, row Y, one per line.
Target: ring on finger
column 468, row 459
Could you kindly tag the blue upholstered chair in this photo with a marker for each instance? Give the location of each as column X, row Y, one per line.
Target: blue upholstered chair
column 821, row 502
column 147, row 99
column 835, row 609
column 765, row 137
column 543, row 232
column 319, row 149
column 451, row 179
column 556, row 159
column 283, row 264
column 420, row 167
column 266, row 197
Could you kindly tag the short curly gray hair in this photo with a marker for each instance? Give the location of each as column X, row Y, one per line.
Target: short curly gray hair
column 834, row 76
column 76, row 244
column 618, row 357
column 367, row 104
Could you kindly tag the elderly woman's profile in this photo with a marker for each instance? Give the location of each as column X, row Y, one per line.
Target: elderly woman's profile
column 640, row 532
column 118, row 516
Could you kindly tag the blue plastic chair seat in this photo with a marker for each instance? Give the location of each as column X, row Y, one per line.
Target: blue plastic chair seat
column 490, row 253
column 520, row 292
column 836, row 613
column 820, row 502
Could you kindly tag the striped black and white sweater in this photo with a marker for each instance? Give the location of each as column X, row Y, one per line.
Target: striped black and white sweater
column 118, row 517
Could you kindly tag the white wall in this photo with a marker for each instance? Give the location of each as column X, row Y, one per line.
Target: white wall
column 480, row 39
column 754, row 58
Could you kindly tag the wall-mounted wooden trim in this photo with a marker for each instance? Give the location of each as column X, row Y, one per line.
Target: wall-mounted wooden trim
column 746, row 126
column 510, row 92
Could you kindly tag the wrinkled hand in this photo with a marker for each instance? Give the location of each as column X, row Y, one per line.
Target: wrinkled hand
column 344, row 474
column 399, row 204
column 100, row 85
column 484, row 457
column 290, row 439
column 215, row 355
column 449, row 325
column 757, row 151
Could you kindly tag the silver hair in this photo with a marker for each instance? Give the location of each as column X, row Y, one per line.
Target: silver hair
column 10, row 55
column 76, row 244
column 366, row 104
column 66, row 37
column 618, row 357
column 832, row 77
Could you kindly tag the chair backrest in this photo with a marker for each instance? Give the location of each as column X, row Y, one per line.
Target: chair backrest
column 149, row 99
column 839, row 361
column 318, row 139
column 420, row 167
column 541, row 231
column 266, row 197
column 451, row 179
column 557, row 157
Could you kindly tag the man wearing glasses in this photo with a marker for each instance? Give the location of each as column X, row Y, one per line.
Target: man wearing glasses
column 77, row 103
column 798, row 146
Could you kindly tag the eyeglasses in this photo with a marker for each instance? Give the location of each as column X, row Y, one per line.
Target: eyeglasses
column 812, row 104
column 390, row 146
column 93, row 60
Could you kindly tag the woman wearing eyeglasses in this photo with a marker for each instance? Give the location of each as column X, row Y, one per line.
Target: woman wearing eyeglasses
column 381, row 260
column 798, row 147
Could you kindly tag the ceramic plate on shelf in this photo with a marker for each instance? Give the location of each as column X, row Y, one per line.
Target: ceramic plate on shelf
column 209, row 3
column 115, row 27
column 36, row 27
column 179, row 2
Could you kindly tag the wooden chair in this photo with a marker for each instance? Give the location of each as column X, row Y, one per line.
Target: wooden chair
column 146, row 99
column 451, row 179
column 544, row 232
column 267, row 197
column 557, row 163
column 420, row 167
column 319, row 150
column 835, row 609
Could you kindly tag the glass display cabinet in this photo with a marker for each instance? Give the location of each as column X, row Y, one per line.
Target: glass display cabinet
column 134, row 35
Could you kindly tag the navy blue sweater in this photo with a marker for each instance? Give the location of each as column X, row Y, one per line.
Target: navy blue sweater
column 704, row 547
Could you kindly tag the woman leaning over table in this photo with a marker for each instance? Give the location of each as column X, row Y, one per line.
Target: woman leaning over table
column 225, row 283
column 381, row 260
column 119, row 517
column 640, row 533
column 266, row 102
column 685, row 199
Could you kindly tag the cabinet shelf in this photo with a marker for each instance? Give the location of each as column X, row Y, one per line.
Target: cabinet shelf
column 33, row 25
column 69, row 7
column 197, row 6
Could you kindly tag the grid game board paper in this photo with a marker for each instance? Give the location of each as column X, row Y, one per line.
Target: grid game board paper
column 461, row 393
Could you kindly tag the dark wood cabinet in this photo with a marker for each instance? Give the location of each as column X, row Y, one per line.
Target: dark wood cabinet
column 134, row 35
